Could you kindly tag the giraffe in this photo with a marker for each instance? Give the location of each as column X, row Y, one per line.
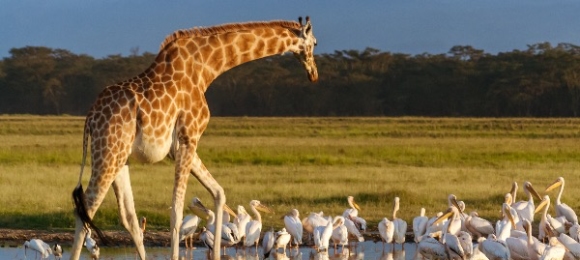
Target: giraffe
column 163, row 111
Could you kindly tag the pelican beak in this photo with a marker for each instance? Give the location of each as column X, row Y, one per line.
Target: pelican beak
column 534, row 192
column 356, row 206
column 198, row 208
column 446, row 215
column 263, row 208
column 509, row 215
column 554, row 185
column 508, row 198
column 230, row 211
column 542, row 205
column 456, row 205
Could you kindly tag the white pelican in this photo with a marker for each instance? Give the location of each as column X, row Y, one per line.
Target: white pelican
column 493, row 249
column 322, row 236
column 39, row 246
column 352, row 214
column 453, row 217
column 400, row 226
column 386, row 231
column 478, row 226
column 57, row 251
column 526, row 208
column 339, row 233
column 241, row 220
column 187, row 231
column 535, row 247
column 505, row 226
column 515, row 216
column 92, row 246
column 420, row 225
column 294, row 226
column 545, row 229
column 268, row 242
column 282, row 240
column 452, row 244
column 254, row 227
column 572, row 245
column 554, row 251
column 561, row 208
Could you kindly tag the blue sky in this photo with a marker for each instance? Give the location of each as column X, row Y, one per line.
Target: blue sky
column 105, row 27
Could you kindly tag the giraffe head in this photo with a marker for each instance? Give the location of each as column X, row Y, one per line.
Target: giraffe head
column 305, row 52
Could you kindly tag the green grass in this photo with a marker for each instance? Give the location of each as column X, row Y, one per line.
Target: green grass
column 311, row 164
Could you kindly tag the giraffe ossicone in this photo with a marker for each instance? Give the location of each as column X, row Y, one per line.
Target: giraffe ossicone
column 164, row 111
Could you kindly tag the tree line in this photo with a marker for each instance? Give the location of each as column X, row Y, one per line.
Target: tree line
column 541, row 81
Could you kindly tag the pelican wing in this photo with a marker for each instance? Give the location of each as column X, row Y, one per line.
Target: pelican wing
column 419, row 226
column 400, row 230
column 340, row 235
column 268, row 243
column 253, row 230
column 430, row 248
column 387, row 230
column 564, row 210
column 294, row 227
column 188, row 226
column 352, row 229
column 518, row 248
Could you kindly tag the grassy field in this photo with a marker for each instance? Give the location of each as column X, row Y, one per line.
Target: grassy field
column 311, row 164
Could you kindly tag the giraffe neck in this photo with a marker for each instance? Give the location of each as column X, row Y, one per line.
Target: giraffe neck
column 197, row 60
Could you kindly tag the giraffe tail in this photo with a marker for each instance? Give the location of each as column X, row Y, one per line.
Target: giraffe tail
column 79, row 196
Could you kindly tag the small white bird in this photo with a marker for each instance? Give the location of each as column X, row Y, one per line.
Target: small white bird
column 254, row 227
column 282, row 239
column 39, row 246
column 294, row 226
column 207, row 239
column 92, row 246
column 57, row 251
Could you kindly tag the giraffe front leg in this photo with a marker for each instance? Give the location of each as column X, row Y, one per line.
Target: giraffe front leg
column 182, row 168
column 127, row 215
column 217, row 192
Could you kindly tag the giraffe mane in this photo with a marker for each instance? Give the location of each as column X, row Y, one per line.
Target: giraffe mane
column 226, row 28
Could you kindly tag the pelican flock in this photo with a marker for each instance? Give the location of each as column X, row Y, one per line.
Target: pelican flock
column 449, row 234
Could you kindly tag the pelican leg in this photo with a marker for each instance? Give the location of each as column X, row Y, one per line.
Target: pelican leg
column 127, row 214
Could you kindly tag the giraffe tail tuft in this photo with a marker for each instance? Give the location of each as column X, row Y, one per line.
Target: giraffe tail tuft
column 81, row 211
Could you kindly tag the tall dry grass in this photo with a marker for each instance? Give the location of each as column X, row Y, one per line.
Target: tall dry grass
column 311, row 164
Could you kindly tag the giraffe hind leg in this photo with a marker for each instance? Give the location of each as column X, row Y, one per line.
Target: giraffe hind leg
column 127, row 214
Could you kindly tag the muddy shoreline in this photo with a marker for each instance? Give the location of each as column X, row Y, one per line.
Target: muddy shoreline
column 17, row 237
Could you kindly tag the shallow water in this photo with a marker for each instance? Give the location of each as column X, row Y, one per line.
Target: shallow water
column 365, row 250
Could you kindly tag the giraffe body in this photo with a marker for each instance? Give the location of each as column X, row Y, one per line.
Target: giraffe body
column 164, row 111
